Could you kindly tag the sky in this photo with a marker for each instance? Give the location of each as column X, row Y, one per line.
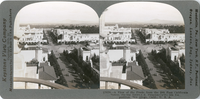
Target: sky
column 57, row 13
column 142, row 12
column 77, row 13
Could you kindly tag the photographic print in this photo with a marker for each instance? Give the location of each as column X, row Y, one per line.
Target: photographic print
column 56, row 46
column 142, row 46
column 100, row 49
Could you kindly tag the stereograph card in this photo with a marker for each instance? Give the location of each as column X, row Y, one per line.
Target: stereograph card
column 85, row 49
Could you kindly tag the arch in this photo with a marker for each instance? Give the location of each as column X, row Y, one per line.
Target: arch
column 87, row 58
column 131, row 58
column 175, row 58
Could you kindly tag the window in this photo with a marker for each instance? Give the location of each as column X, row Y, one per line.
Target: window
column 86, row 58
column 174, row 58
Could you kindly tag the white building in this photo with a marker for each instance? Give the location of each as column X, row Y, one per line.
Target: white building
column 127, row 53
column 116, row 34
column 168, row 37
column 31, row 35
column 147, row 31
column 27, row 64
column 66, row 31
column 75, row 35
column 134, row 73
column 34, row 53
column 88, row 53
column 175, row 52
column 47, row 73
column 162, row 35
column 111, row 67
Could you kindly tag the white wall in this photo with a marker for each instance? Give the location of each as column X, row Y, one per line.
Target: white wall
column 174, row 54
column 19, row 65
column 115, row 55
column 137, row 81
column 133, row 55
column 28, row 55
column 116, row 72
column 44, row 55
column 86, row 54
column 181, row 51
column 96, row 51
column 31, row 72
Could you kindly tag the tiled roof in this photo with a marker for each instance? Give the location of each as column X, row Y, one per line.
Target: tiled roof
column 133, row 76
column 47, row 73
column 135, row 73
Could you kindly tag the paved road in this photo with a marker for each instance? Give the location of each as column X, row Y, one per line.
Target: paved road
column 73, row 79
column 161, row 80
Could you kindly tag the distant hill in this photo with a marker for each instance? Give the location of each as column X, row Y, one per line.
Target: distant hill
column 137, row 24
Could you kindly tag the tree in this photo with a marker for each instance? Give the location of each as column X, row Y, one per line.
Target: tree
column 60, row 36
column 122, row 60
column 175, row 43
column 34, row 61
column 182, row 58
column 64, row 52
column 97, row 59
column 93, row 58
column 152, row 52
column 87, row 44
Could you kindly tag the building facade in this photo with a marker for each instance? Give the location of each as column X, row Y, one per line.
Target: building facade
column 31, row 35
column 75, row 35
column 162, row 35
column 122, row 65
column 27, row 64
column 116, row 34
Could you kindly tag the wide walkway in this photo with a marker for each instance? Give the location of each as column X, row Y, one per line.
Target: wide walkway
column 160, row 78
column 72, row 78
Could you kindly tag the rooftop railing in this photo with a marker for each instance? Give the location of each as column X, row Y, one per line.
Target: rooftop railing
column 121, row 82
column 39, row 82
column 58, row 86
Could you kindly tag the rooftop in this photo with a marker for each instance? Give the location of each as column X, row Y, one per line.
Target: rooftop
column 117, row 64
column 135, row 73
column 174, row 48
column 86, row 48
column 119, row 47
column 30, row 48
column 44, row 50
column 132, row 63
column 44, row 64
column 47, row 73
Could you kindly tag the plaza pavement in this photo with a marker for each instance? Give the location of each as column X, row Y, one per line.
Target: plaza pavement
column 72, row 78
column 160, row 78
